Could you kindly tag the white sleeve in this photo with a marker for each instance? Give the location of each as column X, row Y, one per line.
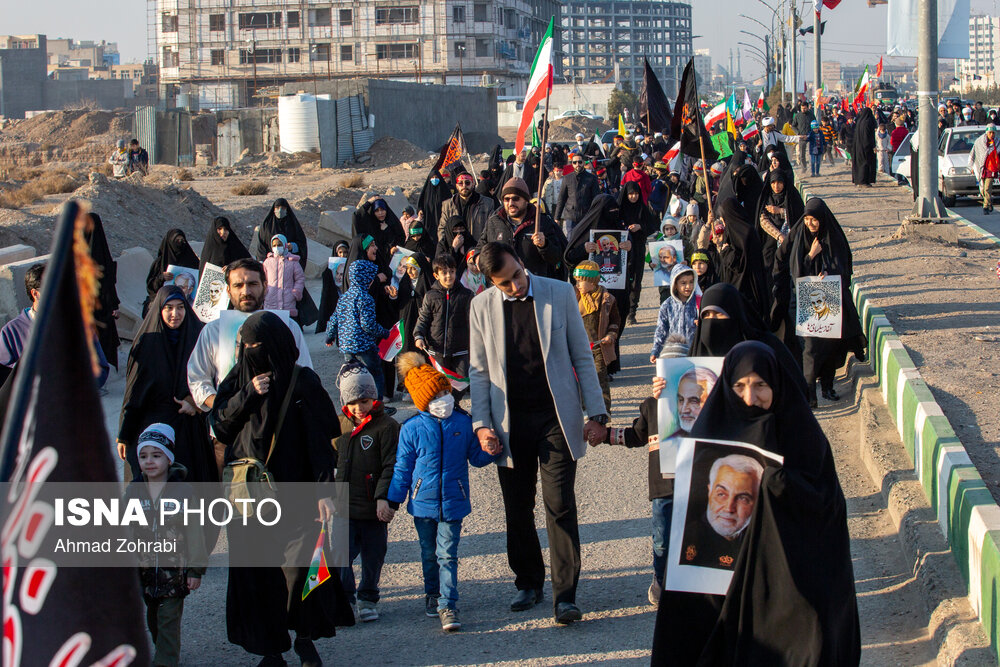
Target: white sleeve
column 784, row 138
column 201, row 368
column 304, row 359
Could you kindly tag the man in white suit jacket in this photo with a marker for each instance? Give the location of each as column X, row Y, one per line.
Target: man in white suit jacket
column 529, row 364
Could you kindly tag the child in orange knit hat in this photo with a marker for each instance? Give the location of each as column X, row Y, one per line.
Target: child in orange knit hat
column 435, row 449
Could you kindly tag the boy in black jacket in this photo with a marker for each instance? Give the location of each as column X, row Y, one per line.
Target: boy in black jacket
column 644, row 432
column 366, row 456
column 442, row 329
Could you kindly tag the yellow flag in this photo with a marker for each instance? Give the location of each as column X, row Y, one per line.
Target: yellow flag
column 731, row 126
column 621, row 126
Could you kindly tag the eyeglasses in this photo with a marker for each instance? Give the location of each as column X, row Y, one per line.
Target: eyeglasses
column 577, row 161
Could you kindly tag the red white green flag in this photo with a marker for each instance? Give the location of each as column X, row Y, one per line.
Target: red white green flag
column 539, row 85
column 393, row 343
column 750, row 131
column 762, row 103
column 318, row 570
column 458, row 382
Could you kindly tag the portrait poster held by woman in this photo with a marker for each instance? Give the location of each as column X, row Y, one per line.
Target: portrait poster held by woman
column 791, row 600
column 264, row 603
column 174, row 250
column 641, row 223
column 156, row 387
column 107, row 297
column 818, row 247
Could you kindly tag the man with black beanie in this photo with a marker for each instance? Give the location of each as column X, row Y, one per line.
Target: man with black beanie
column 514, row 223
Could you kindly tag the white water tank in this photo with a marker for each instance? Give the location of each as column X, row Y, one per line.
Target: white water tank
column 298, row 125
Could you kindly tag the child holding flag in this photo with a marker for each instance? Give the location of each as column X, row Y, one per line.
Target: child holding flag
column 435, row 449
column 442, row 329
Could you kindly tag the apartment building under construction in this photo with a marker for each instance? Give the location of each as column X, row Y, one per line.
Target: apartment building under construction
column 224, row 51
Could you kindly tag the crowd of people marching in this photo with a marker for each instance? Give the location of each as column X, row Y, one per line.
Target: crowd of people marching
column 501, row 302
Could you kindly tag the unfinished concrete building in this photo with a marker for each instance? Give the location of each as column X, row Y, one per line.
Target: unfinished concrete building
column 606, row 40
column 223, row 51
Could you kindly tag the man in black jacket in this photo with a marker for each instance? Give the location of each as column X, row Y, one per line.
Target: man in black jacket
column 442, row 329
column 578, row 190
column 802, row 122
column 514, row 223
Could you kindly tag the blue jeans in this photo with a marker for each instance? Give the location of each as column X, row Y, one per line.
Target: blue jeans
column 662, row 508
column 439, row 555
column 373, row 363
column 814, row 162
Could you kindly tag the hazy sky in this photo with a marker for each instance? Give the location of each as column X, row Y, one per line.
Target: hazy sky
column 854, row 32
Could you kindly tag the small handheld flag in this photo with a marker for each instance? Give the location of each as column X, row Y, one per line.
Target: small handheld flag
column 390, row 346
column 458, row 382
column 318, row 570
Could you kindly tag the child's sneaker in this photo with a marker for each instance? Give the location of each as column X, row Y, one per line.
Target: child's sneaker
column 449, row 619
column 367, row 611
column 431, row 605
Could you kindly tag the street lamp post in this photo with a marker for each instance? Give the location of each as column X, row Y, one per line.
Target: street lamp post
column 461, row 67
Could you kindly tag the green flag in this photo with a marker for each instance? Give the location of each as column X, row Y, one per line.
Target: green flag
column 721, row 143
column 536, row 142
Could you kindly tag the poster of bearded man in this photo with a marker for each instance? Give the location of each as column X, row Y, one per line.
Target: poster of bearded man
column 689, row 382
column 715, row 492
column 818, row 311
column 610, row 257
column 211, row 297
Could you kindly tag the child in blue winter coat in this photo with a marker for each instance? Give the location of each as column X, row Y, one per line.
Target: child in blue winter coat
column 435, row 449
column 679, row 311
column 354, row 326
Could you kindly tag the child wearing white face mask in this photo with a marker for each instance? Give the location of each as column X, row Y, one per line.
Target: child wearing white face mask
column 435, row 449
column 285, row 277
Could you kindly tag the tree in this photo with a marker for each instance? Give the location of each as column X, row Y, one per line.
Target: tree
column 775, row 96
column 621, row 99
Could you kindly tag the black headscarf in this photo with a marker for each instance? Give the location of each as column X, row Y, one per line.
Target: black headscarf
column 448, row 237
column 778, row 151
column 792, row 597
column 288, row 226
column 743, row 261
column 276, row 354
column 715, row 337
column 835, row 258
column 219, row 252
column 788, row 199
column 431, row 198
column 366, row 224
column 603, row 214
column 107, row 297
column 636, row 213
column 174, row 249
column 155, row 375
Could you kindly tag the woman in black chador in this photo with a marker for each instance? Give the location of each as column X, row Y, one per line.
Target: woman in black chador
column 174, row 250
column 107, row 297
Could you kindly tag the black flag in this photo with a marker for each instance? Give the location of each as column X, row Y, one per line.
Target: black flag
column 454, row 154
column 654, row 108
column 688, row 126
column 54, row 432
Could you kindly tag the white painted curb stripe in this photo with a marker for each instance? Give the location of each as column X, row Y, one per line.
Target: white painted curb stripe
column 984, row 518
column 951, row 457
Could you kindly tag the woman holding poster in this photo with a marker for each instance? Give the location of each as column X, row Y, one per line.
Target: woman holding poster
column 818, row 247
column 791, row 597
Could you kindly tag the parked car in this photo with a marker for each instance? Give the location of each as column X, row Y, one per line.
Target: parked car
column 900, row 165
column 579, row 112
column 955, row 178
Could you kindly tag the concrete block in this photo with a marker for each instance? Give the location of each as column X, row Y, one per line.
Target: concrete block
column 133, row 266
column 335, row 226
column 13, row 298
column 197, row 246
column 318, row 256
column 16, row 253
column 396, row 200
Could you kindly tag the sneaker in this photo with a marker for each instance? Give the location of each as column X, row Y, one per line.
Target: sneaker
column 449, row 619
column 389, row 410
column 367, row 611
column 431, row 605
column 653, row 594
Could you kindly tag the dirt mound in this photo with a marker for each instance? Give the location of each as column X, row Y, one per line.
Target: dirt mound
column 565, row 129
column 135, row 214
column 78, row 135
column 392, row 151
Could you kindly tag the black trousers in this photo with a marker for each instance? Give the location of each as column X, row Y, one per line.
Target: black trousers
column 537, row 444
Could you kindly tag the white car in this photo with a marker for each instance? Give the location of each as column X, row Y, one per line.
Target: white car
column 955, row 179
column 579, row 112
column 901, row 160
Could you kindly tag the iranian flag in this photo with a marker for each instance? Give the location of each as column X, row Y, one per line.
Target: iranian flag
column 458, row 382
column 717, row 113
column 861, row 90
column 318, row 569
column 762, row 103
column 750, row 131
column 539, row 85
column 673, row 152
column 393, row 343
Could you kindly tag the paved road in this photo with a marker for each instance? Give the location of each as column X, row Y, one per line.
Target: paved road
column 972, row 210
column 615, row 532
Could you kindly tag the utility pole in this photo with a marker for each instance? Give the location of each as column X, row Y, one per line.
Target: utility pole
column 461, row 68
column 794, row 75
column 817, row 59
column 928, row 206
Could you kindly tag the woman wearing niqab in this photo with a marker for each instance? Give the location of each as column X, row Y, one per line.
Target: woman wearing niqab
column 264, row 603
column 791, row 600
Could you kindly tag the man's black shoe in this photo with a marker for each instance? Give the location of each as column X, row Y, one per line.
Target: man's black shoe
column 567, row 612
column 526, row 599
column 831, row 395
column 272, row 661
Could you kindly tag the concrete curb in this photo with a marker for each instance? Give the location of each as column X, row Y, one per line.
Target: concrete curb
column 968, row 516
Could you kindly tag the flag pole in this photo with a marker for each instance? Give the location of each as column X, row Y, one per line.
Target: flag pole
column 541, row 161
column 705, row 170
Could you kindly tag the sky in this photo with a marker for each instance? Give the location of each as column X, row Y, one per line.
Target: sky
column 854, row 32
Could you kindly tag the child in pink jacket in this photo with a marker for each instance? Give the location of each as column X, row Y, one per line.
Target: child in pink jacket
column 285, row 277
